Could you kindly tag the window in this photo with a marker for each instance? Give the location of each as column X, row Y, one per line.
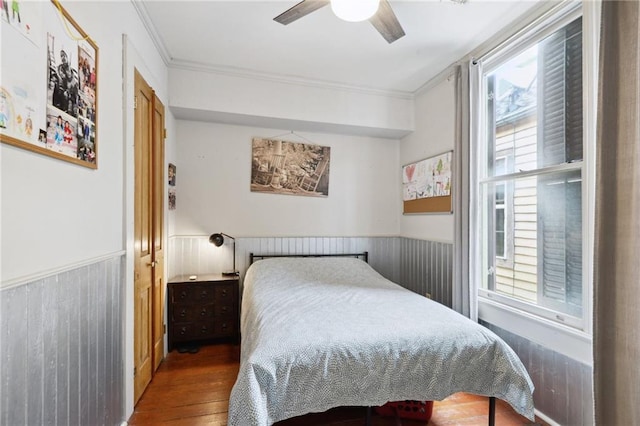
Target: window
column 530, row 177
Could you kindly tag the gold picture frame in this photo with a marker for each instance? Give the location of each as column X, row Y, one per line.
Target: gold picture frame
column 52, row 112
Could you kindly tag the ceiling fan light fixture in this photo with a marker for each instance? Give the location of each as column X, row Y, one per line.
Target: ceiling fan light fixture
column 354, row 10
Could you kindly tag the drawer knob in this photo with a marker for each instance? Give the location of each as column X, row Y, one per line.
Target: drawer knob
column 203, row 312
column 183, row 294
column 204, row 330
column 183, row 313
column 204, row 294
column 183, row 331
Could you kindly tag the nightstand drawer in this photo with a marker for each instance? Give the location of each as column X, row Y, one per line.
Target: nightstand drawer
column 193, row 331
column 225, row 327
column 191, row 313
column 224, row 293
column 224, row 310
column 192, row 294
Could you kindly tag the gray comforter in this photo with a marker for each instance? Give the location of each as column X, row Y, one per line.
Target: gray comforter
column 319, row 333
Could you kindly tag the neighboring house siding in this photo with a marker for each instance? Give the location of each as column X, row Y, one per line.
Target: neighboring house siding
column 517, row 273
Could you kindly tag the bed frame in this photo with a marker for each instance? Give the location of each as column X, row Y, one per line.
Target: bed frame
column 365, row 256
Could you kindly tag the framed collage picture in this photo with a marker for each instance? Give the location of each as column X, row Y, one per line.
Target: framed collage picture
column 50, row 110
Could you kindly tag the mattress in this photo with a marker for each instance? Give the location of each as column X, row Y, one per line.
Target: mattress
column 319, row 333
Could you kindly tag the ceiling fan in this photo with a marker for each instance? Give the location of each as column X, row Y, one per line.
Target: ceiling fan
column 383, row 19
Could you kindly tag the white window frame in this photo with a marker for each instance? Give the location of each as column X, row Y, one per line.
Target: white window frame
column 538, row 324
column 502, row 206
column 507, row 260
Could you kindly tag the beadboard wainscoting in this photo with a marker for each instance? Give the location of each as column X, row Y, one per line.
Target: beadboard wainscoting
column 195, row 255
column 564, row 386
column 61, row 347
column 421, row 266
column 426, row 267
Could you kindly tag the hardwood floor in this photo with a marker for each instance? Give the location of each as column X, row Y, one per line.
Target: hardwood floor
column 193, row 389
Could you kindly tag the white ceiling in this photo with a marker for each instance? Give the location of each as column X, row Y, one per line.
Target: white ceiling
column 241, row 37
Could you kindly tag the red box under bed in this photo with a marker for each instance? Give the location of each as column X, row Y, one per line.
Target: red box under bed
column 415, row 410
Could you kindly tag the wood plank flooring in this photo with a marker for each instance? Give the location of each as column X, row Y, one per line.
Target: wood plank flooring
column 193, row 389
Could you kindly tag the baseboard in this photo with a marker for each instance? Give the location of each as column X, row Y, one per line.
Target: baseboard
column 546, row 419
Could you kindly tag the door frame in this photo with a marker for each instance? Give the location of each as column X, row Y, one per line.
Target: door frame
column 133, row 60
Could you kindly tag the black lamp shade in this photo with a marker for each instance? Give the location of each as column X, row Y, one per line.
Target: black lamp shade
column 216, row 239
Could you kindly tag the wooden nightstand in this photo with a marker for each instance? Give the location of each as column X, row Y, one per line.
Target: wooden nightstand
column 202, row 311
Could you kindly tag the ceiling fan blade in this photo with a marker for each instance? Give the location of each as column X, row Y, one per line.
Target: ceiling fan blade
column 386, row 23
column 301, row 9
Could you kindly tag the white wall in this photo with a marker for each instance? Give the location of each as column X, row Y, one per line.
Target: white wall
column 56, row 214
column 213, row 96
column 434, row 134
column 213, row 186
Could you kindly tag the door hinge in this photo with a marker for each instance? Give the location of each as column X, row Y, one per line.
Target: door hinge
column 164, row 133
column 164, row 328
column 134, row 371
column 135, row 102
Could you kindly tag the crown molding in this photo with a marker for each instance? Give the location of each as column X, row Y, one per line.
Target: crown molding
column 446, row 74
column 157, row 40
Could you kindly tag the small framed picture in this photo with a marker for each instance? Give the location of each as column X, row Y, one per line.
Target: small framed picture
column 172, row 198
column 172, row 174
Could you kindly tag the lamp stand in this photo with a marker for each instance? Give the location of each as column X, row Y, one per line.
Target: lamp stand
column 233, row 273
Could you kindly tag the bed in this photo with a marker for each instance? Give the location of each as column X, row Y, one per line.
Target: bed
column 324, row 332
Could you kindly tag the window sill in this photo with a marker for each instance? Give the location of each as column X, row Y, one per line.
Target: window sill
column 562, row 339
